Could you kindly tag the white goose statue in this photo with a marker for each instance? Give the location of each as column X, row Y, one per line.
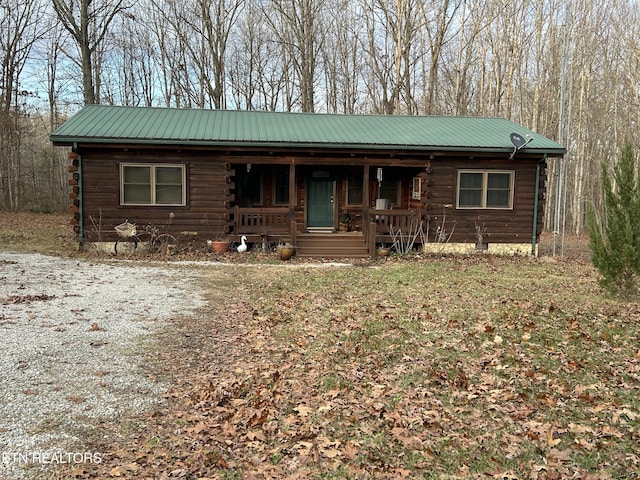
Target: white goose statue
column 243, row 246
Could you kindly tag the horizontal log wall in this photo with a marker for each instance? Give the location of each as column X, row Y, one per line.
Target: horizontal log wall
column 209, row 189
column 497, row 225
column 211, row 192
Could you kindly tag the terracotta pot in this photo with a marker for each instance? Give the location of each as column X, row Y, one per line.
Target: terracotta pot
column 285, row 252
column 219, row 246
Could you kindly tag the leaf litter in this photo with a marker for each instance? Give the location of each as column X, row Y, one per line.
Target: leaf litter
column 471, row 367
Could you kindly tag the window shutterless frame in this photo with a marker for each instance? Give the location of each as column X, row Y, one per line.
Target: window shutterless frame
column 485, row 189
column 353, row 190
column 152, row 184
column 281, row 186
column 391, row 189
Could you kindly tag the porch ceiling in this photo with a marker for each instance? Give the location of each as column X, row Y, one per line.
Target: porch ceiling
column 102, row 124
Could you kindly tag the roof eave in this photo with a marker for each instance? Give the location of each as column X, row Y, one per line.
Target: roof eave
column 69, row 141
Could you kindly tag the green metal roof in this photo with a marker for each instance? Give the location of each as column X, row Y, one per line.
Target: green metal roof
column 227, row 128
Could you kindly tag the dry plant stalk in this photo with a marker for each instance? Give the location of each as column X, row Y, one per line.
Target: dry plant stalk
column 404, row 243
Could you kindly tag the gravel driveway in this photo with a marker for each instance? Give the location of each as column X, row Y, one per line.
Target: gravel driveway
column 72, row 339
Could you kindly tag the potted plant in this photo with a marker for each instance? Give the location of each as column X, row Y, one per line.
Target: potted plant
column 345, row 222
column 220, row 244
column 285, row 251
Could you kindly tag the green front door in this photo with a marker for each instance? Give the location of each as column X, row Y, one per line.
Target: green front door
column 320, row 193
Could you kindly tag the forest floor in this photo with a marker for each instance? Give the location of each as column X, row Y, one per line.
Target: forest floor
column 423, row 367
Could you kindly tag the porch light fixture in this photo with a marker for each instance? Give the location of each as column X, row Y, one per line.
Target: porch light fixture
column 248, row 167
column 379, row 177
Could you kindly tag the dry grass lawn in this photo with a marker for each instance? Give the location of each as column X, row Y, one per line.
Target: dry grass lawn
column 429, row 367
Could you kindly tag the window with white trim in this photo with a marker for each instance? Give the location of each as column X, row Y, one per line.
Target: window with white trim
column 485, row 189
column 152, row 184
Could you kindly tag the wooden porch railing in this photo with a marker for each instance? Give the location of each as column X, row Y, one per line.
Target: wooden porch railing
column 276, row 221
column 381, row 222
column 405, row 220
column 261, row 221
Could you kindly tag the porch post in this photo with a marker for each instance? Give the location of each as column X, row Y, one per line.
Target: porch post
column 292, row 202
column 292, row 190
column 365, row 195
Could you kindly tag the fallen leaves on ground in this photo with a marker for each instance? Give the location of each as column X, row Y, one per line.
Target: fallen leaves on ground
column 26, row 299
column 470, row 367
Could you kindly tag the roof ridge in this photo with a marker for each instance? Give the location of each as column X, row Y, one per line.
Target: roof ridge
column 278, row 112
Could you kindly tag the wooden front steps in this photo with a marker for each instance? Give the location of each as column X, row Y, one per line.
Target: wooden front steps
column 331, row 245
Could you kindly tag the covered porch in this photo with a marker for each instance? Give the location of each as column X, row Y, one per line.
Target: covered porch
column 271, row 225
column 336, row 208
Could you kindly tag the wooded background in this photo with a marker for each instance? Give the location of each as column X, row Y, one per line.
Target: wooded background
column 566, row 69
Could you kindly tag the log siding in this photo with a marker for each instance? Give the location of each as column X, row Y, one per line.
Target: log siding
column 212, row 187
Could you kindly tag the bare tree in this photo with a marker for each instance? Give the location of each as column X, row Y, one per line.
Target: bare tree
column 132, row 77
column 88, row 22
column 19, row 31
column 379, row 51
column 257, row 75
column 403, row 46
column 298, row 26
column 56, row 182
column 218, row 18
column 567, row 69
column 200, row 32
column 459, row 63
column 167, row 57
column 443, row 14
column 341, row 59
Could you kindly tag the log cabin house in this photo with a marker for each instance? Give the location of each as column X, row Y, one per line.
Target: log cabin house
column 332, row 185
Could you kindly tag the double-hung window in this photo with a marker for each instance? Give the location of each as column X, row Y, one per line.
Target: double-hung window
column 149, row 184
column 490, row 189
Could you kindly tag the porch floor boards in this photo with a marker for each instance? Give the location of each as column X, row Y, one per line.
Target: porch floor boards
column 331, row 245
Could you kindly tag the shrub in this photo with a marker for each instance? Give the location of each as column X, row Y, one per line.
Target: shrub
column 614, row 237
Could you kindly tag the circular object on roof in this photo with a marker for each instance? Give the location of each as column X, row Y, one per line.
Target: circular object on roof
column 518, row 140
